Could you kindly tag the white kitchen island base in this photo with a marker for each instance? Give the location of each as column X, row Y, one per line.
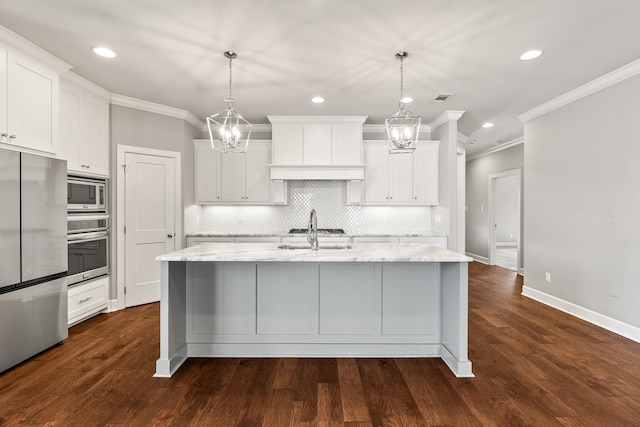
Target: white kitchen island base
column 216, row 302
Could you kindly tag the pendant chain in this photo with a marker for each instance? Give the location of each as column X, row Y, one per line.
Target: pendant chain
column 230, row 59
column 401, row 78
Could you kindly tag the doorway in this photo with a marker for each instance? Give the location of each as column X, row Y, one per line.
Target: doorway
column 504, row 219
column 149, row 218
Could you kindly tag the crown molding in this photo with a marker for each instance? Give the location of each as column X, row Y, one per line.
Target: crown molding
column 497, row 148
column 445, row 118
column 152, row 107
column 14, row 41
column 593, row 86
column 85, row 84
column 463, row 138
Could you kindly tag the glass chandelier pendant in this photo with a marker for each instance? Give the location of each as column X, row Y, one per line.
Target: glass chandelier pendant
column 402, row 126
column 228, row 131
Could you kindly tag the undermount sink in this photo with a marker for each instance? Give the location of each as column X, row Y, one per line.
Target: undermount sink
column 306, row 246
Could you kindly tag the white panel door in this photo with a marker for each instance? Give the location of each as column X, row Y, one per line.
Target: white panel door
column 347, row 144
column 70, row 127
column 150, row 223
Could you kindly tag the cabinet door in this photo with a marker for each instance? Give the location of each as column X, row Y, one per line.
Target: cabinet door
column 425, row 173
column 207, row 175
column 257, row 183
column 316, row 146
column 94, row 135
column 70, row 128
column 288, row 149
column 376, row 183
column 32, row 103
column 347, row 144
column 232, row 178
column 3, row 93
column 400, row 178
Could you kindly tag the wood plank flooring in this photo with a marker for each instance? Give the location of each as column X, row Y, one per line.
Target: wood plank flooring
column 534, row 366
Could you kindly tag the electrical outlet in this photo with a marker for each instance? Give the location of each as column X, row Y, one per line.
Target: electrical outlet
column 438, row 218
column 547, row 277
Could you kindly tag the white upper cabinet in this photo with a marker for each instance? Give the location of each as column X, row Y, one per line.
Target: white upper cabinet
column 84, row 129
column 401, row 179
column 236, row 178
column 29, row 103
column 317, row 147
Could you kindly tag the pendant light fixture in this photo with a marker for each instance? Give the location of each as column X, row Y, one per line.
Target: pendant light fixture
column 228, row 131
column 402, row 126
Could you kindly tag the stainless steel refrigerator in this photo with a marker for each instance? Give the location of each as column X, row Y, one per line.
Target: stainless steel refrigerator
column 33, row 255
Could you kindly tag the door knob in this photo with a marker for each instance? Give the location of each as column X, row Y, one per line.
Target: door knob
column 170, row 235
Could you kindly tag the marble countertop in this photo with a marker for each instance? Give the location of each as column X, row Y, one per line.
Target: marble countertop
column 287, row 234
column 360, row 252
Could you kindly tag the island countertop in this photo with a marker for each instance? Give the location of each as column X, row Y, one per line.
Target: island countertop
column 360, row 252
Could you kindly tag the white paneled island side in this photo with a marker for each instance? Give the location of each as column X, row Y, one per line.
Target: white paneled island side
column 256, row 300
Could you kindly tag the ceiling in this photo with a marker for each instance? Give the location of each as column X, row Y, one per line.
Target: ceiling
column 171, row 52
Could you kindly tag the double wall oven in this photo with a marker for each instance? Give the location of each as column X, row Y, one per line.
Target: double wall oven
column 88, row 229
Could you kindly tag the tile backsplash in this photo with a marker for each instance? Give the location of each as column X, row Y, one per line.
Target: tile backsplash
column 329, row 199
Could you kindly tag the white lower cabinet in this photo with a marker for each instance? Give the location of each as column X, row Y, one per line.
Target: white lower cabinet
column 87, row 299
column 196, row 240
column 439, row 241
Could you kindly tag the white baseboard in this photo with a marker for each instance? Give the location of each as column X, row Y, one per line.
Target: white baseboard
column 480, row 259
column 613, row 325
column 113, row 306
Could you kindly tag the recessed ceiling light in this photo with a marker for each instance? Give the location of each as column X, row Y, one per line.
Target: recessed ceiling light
column 317, row 100
column 407, row 100
column 530, row 54
column 487, row 125
column 104, row 52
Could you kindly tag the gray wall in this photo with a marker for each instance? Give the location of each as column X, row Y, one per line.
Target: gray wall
column 582, row 204
column 477, row 198
column 139, row 128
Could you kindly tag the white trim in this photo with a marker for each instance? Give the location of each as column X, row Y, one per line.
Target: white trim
column 120, row 214
column 152, row 107
column 478, row 258
column 492, row 150
column 608, row 323
column 14, row 41
column 317, row 119
column 462, row 138
column 615, row 76
column 491, row 203
column 445, row 118
column 85, row 84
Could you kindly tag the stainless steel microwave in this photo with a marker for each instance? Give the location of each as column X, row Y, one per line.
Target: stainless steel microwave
column 86, row 195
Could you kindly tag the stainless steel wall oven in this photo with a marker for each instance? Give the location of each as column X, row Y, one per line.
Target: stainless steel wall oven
column 87, row 228
column 88, row 247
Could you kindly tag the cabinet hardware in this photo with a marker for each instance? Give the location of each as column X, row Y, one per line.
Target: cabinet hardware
column 12, row 137
column 4, row 134
column 84, row 300
column 170, row 235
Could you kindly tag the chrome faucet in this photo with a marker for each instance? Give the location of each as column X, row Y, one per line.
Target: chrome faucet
column 312, row 238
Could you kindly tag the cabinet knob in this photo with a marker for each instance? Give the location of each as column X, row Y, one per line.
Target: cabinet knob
column 88, row 166
column 4, row 134
column 415, row 198
column 170, row 235
column 12, row 137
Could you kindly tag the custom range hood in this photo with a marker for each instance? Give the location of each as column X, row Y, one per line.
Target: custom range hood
column 317, row 147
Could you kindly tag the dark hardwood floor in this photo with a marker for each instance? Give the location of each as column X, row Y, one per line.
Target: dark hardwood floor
column 534, row 366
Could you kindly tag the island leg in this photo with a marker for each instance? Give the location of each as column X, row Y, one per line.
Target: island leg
column 173, row 297
column 455, row 318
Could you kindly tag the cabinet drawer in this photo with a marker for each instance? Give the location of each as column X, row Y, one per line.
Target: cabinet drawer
column 87, row 298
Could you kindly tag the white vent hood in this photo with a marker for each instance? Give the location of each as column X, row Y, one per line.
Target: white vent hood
column 317, row 147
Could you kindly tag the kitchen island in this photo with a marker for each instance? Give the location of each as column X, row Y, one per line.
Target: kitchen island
column 370, row 300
